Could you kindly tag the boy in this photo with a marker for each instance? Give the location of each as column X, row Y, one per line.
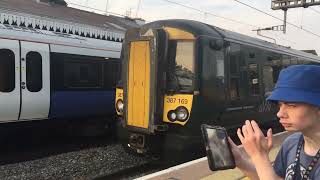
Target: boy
column 297, row 93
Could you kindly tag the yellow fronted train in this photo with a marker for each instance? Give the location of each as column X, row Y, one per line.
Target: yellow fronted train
column 179, row 74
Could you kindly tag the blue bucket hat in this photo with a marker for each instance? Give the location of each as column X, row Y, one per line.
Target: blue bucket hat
column 298, row 83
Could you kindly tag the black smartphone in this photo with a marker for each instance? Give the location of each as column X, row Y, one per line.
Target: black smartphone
column 217, row 147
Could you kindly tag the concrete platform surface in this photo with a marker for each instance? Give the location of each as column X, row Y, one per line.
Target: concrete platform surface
column 199, row 169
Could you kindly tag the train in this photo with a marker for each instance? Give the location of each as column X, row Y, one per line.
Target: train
column 57, row 77
column 178, row 74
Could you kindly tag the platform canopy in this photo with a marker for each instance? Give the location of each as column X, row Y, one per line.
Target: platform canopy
column 286, row 4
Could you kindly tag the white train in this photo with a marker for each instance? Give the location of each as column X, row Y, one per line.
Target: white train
column 48, row 76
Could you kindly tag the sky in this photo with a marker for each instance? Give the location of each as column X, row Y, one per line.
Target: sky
column 227, row 14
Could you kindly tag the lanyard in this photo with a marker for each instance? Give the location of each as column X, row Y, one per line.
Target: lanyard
column 297, row 161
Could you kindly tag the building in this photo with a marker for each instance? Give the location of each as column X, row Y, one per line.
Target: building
column 46, row 15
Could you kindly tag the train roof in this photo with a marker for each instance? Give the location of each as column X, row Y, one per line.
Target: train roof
column 199, row 28
column 243, row 39
column 63, row 43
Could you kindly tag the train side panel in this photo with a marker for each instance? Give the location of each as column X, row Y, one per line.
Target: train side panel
column 33, row 87
column 82, row 86
column 9, row 80
column 35, row 82
column 70, row 104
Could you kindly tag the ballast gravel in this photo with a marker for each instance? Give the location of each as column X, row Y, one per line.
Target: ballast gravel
column 88, row 163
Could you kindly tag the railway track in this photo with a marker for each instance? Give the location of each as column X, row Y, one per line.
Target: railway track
column 87, row 163
column 39, row 153
column 42, row 154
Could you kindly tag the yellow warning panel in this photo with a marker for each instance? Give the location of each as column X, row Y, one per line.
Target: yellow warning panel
column 139, row 84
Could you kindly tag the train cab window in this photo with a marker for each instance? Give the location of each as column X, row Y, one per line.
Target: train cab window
column 7, row 70
column 34, row 71
column 181, row 54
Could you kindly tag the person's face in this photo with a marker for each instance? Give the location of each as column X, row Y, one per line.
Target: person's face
column 298, row 116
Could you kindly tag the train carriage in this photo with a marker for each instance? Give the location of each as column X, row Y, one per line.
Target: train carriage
column 179, row 74
column 46, row 75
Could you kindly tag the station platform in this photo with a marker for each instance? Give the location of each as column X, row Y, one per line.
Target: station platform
column 199, row 169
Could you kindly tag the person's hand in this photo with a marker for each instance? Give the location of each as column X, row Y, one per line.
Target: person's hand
column 237, row 154
column 253, row 140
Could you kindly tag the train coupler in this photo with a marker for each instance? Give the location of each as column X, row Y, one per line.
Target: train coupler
column 137, row 142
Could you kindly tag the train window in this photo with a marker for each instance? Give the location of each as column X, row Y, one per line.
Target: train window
column 252, row 58
column 234, row 88
column 220, row 64
column 234, row 65
column 268, row 79
column 181, row 53
column 112, row 71
column 300, row 61
column 212, row 59
column 34, row 71
column 271, row 69
column 304, row 61
column 82, row 73
column 79, row 74
column 234, row 69
column 234, row 59
column 7, row 70
column 286, row 60
column 294, row 60
column 254, row 79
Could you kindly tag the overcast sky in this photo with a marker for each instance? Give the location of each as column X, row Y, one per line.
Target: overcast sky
column 151, row 10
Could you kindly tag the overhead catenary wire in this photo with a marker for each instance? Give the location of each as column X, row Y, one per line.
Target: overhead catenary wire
column 87, row 7
column 209, row 13
column 218, row 16
column 308, row 31
column 188, row 7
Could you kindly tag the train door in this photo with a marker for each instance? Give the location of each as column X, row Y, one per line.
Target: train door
column 35, row 81
column 139, row 84
column 238, row 101
column 244, row 85
column 9, row 80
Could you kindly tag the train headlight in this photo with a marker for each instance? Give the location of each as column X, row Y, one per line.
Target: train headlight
column 119, row 106
column 182, row 113
column 172, row 116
